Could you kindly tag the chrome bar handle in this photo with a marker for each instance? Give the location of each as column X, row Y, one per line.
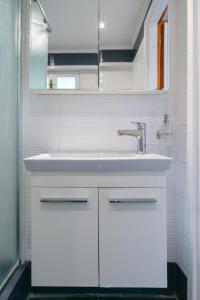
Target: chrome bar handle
column 64, row 200
column 132, row 200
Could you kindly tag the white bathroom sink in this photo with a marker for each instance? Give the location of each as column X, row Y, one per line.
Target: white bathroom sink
column 97, row 161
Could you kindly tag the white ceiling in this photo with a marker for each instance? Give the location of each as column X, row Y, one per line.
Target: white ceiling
column 123, row 20
column 75, row 23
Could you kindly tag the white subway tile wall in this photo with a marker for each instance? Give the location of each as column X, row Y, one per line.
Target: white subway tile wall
column 180, row 141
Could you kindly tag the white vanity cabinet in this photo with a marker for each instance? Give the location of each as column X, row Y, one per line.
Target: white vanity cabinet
column 64, row 237
column 99, row 229
column 132, row 237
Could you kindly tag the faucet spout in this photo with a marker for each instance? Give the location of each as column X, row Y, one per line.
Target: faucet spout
column 130, row 132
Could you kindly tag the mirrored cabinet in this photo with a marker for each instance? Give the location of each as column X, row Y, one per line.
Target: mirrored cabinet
column 99, row 45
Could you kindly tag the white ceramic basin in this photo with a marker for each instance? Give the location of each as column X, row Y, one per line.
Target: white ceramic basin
column 97, row 161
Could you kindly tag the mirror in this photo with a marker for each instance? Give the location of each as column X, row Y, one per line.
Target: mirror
column 101, row 45
column 72, row 61
column 133, row 55
column 122, row 48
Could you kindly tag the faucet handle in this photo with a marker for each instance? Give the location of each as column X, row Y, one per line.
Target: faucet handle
column 140, row 125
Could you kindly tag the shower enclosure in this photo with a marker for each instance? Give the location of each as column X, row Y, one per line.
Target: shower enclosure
column 9, row 53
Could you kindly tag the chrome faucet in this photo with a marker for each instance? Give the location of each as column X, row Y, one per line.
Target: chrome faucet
column 139, row 133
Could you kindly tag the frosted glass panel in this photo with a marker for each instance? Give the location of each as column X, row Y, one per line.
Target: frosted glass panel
column 38, row 49
column 8, row 137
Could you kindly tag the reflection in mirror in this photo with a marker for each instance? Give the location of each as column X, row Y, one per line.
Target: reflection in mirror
column 72, row 60
column 99, row 44
column 38, row 48
column 133, row 54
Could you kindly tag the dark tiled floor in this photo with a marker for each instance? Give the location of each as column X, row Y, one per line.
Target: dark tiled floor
column 63, row 298
column 177, row 285
column 98, row 297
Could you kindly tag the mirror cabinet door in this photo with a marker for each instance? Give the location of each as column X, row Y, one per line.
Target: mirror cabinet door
column 71, row 55
column 122, row 47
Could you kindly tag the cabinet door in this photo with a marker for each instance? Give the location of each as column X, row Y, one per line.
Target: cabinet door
column 132, row 237
column 64, row 237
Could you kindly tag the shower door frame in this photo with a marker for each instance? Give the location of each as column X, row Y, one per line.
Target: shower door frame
column 193, row 145
column 18, row 38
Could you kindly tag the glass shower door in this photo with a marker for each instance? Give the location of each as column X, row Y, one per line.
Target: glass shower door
column 9, row 14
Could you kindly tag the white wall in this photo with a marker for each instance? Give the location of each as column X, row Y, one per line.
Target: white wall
column 89, row 80
column 125, row 76
column 115, row 76
column 178, row 108
column 180, row 146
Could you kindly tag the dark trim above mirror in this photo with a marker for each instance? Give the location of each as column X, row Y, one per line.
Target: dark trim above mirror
column 62, row 59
